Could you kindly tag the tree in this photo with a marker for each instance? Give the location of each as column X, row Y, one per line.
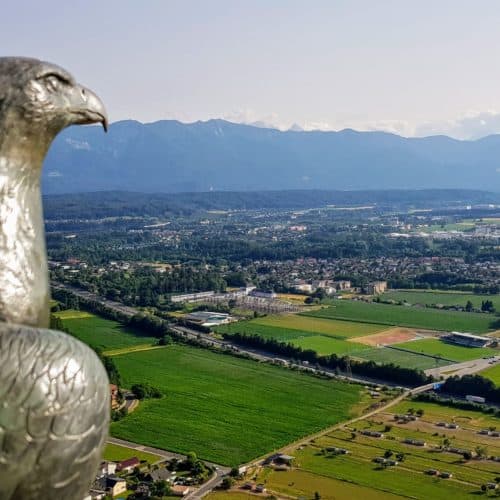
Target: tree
column 317, row 496
column 388, row 454
column 160, row 489
column 469, row 306
column 191, row 459
column 481, row 451
column 227, row 483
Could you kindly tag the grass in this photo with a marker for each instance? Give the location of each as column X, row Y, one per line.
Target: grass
column 407, row 359
column 226, row 409
column 432, row 319
column 230, row 495
column 320, row 335
column 436, row 347
column 324, row 345
column 355, row 475
column 430, row 297
column 332, row 327
column 493, row 374
column 116, row 453
column 101, row 333
column 303, row 484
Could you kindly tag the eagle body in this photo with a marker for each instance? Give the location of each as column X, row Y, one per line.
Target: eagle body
column 54, row 392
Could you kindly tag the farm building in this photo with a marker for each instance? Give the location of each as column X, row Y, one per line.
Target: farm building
column 466, row 339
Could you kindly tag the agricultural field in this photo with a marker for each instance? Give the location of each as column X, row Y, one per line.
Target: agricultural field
column 317, row 467
column 115, row 453
column 432, row 319
column 226, row 409
column 493, row 374
column 436, row 347
column 385, row 355
column 101, row 333
column 430, row 297
column 313, row 325
column 324, row 336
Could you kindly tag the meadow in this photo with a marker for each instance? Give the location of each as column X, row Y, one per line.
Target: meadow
column 226, row 409
column 493, row 374
column 356, row 476
column 430, row 297
column 116, row 453
column 436, row 347
column 101, row 333
column 431, row 319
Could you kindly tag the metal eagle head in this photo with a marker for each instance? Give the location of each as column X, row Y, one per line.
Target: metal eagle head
column 39, row 99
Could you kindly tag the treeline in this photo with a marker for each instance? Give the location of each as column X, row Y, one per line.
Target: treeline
column 474, row 385
column 120, row 203
column 429, row 397
column 146, row 287
column 398, row 374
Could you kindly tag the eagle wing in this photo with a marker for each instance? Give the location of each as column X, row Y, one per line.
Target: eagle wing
column 54, row 414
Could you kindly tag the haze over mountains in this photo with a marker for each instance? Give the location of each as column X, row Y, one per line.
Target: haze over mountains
column 170, row 156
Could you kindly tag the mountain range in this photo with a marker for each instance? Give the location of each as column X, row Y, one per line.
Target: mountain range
column 216, row 155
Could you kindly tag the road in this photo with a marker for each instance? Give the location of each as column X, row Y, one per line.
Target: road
column 464, row 368
column 307, row 439
column 210, row 341
column 460, row 369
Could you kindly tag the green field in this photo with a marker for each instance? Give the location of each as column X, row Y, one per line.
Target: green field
column 356, row 476
column 493, row 374
column 431, row 297
column 436, row 347
column 335, row 328
column 101, row 333
column 432, row 319
column 116, row 453
column 323, row 345
column 226, row 409
column 386, row 355
column 324, row 336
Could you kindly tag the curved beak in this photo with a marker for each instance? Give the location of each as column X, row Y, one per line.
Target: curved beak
column 87, row 108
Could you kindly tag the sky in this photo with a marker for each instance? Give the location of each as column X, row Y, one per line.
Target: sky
column 415, row 68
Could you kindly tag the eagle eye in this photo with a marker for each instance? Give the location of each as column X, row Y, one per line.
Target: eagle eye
column 53, row 82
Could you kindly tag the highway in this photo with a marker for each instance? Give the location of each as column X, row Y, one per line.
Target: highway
column 460, row 369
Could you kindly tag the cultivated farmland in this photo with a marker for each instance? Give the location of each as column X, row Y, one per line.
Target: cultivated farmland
column 226, row 409
column 430, row 297
column 324, row 336
column 432, row 319
column 317, row 467
column 101, row 333
column 436, row 347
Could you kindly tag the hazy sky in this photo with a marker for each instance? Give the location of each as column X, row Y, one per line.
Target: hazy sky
column 414, row 67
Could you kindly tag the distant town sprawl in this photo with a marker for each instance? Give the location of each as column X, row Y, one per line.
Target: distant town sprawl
column 146, row 260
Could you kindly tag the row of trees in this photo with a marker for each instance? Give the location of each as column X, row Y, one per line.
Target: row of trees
column 398, row 374
column 472, row 385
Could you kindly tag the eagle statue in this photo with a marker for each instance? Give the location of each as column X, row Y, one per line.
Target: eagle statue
column 54, row 392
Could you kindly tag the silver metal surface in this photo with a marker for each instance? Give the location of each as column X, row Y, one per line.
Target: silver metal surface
column 54, row 394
